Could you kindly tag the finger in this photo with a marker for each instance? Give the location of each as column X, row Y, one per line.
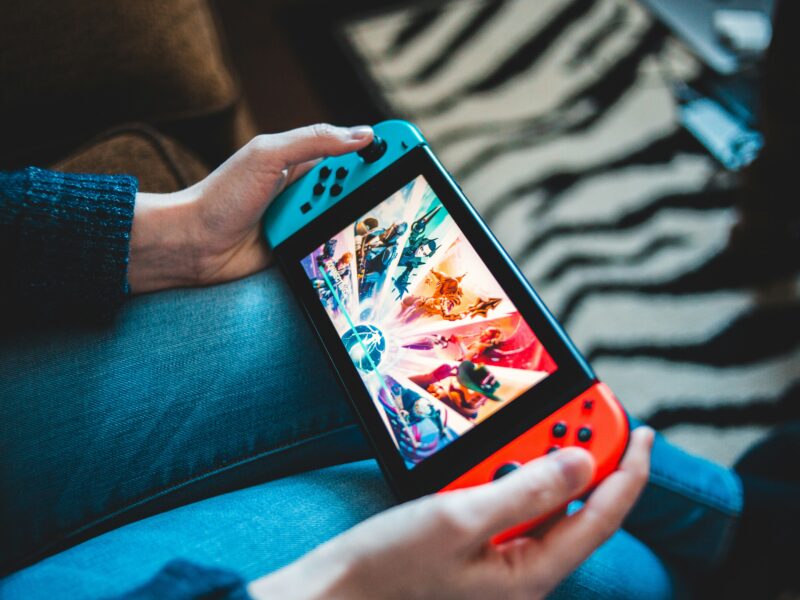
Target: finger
column 295, row 172
column 313, row 142
column 534, row 489
column 551, row 521
column 573, row 539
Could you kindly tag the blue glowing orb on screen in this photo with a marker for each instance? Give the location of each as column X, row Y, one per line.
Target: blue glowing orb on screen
column 365, row 344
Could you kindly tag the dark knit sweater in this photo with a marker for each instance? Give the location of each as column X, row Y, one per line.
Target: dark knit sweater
column 64, row 241
column 182, row 580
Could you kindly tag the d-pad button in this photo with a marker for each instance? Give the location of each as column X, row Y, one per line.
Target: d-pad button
column 505, row 469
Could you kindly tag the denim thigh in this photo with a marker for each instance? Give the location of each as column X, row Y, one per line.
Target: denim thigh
column 263, row 528
column 189, row 394
column 689, row 510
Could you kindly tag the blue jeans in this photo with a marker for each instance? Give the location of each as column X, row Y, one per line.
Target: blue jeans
column 196, row 393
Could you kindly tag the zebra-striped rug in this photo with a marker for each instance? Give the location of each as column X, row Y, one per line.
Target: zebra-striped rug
column 558, row 119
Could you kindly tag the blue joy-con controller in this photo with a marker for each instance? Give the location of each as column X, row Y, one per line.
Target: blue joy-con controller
column 334, row 178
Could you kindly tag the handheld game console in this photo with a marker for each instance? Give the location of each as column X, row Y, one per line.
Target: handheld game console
column 456, row 370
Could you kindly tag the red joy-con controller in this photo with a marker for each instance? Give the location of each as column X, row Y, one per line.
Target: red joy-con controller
column 594, row 420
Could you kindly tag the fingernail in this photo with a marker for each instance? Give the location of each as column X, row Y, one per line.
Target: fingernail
column 650, row 435
column 572, row 462
column 361, row 132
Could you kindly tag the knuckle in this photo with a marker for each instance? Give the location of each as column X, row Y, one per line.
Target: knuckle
column 262, row 144
column 535, row 493
column 546, row 488
column 451, row 521
column 323, row 130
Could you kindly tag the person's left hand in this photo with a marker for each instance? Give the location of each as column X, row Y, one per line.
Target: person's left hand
column 210, row 233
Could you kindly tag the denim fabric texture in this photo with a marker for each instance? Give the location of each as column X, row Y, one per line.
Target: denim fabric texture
column 191, row 393
column 195, row 393
column 689, row 510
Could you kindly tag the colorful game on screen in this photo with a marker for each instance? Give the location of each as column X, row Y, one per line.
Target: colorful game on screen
column 437, row 342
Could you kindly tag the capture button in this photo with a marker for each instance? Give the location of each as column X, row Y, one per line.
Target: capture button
column 584, row 434
column 560, row 429
column 505, row 469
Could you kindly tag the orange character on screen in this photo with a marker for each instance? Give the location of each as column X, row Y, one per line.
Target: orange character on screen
column 443, row 302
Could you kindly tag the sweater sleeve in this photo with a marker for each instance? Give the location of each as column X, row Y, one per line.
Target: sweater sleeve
column 64, row 242
column 183, row 580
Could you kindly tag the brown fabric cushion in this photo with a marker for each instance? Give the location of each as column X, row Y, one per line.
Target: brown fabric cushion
column 71, row 69
column 161, row 164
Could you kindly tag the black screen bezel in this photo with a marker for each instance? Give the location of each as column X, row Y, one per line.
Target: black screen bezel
column 572, row 375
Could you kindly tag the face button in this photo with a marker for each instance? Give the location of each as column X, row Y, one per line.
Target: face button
column 588, row 405
column 554, row 448
column 505, row 469
column 374, row 151
column 324, row 172
column 584, row 434
column 336, row 189
column 559, row 429
column 319, row 189
column 341, row 173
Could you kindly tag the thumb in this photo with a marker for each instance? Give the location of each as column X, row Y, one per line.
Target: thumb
column 537, row 488
column 312, row 142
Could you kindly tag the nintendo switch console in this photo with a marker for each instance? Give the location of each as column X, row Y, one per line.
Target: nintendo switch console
column 457, row 371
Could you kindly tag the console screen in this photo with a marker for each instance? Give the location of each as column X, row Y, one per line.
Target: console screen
column 436, row 341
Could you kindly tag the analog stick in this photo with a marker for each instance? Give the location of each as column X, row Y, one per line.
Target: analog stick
column 376, row 149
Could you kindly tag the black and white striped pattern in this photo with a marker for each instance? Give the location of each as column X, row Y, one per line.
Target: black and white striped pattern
column 558, row 119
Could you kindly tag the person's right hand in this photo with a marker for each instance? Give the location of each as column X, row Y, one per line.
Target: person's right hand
column 438, row 546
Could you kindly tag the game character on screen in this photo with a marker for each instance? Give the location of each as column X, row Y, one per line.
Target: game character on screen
column 338, row 272
column 488, row 347
column 444, row 300
column 465, row 387
column 416, row 408
column 419, row 247
column 376, row 248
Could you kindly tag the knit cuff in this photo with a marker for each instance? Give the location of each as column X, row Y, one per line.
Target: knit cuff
column 182, row 580
column 72, row 243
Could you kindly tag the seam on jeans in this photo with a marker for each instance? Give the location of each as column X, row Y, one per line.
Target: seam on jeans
column 176, row 486
column 726, row 541
column 699, row 495
column 729, row 523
